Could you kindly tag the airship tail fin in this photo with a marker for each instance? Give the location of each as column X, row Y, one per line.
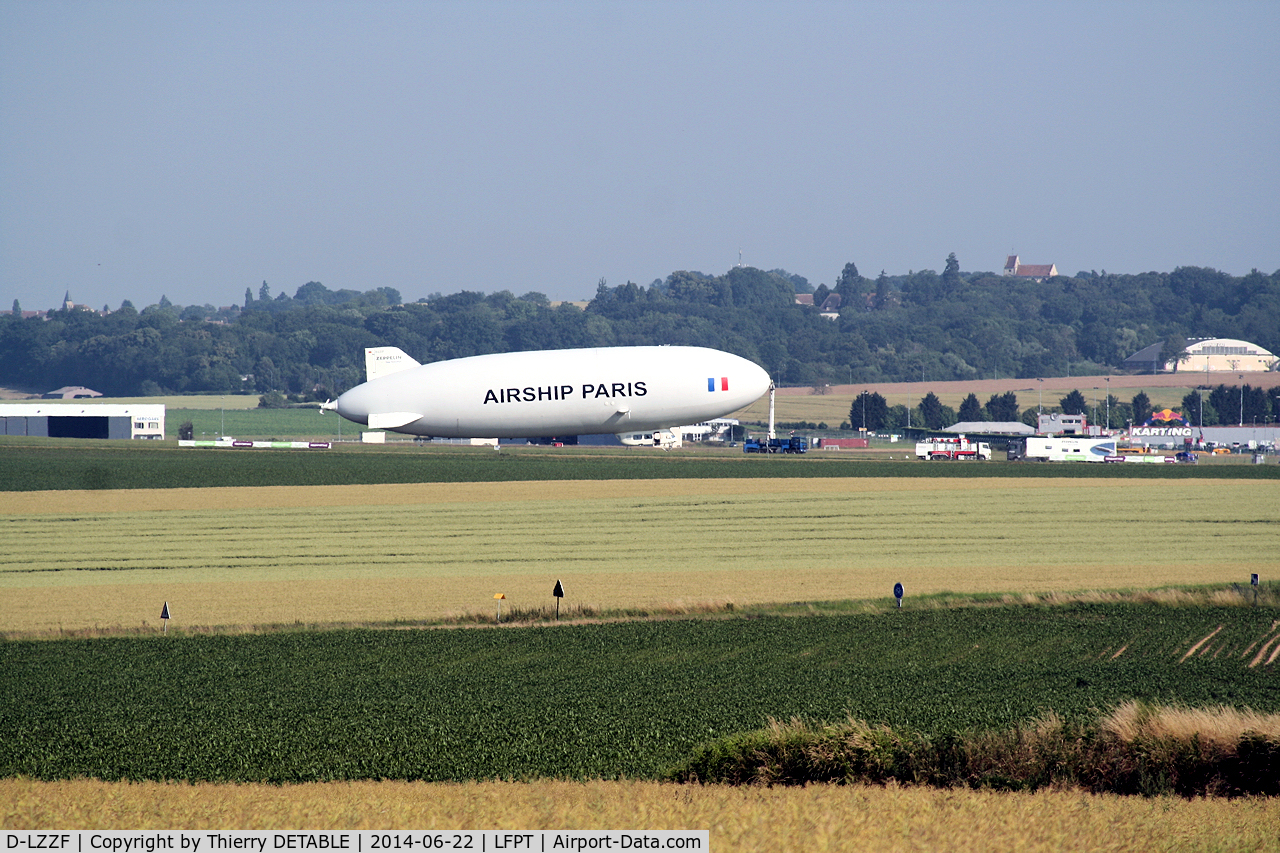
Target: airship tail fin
column 383, row 361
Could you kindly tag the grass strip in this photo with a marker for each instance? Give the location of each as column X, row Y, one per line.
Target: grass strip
column 37, row 465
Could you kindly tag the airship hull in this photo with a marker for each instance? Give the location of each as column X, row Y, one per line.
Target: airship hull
column 557, row 392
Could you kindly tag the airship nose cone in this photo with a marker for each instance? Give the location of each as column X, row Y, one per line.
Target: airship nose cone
column 354, row 405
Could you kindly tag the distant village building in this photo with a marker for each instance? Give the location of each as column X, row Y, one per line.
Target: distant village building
column 1039, row 272
column 830, row 307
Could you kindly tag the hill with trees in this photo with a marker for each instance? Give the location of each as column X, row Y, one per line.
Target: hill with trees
column 919, row 326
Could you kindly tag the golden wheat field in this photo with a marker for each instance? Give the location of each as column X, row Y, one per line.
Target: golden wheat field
column 357, row 554
column 816, row 818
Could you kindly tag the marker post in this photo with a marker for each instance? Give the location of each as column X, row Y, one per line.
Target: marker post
column 558, row 592
column 897, row 593
column 164, row 614
column 499, row 596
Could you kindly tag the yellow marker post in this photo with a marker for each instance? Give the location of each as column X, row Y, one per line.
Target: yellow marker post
column 500, row 597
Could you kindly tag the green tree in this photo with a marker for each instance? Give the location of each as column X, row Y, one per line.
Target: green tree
column 1003, row 407
column 1141, row 408
column 264, row 292
column 1074, row 403
column 971, row 410
column 1174, row 350
column 248, row 296
column 850, row 285
column 951, row 275
column 882, row 291
column 1224, row 400
column 870, row 410
column 1197, row 409
column 931, row 410
column 17, row 309
column 265, row 375
column 1256, row 407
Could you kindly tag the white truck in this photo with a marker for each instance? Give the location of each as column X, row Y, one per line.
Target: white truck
column 1051, row 448
column 952, row 448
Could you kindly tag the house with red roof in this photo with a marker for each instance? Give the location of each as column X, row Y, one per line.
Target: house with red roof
column 1039, row 272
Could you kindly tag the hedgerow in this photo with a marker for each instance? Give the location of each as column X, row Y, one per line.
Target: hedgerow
column 1137, row 749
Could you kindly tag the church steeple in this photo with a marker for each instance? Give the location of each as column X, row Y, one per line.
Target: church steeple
column 67, row 304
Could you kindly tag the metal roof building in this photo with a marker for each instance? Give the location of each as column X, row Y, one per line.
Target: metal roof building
column 991, row 428
column 83, row 420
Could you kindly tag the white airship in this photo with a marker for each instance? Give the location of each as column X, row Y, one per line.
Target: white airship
column 550, row 392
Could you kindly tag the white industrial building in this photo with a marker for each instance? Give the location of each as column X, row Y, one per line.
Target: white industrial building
column 1218, row 355
column 83, row 420
column 1207, row 355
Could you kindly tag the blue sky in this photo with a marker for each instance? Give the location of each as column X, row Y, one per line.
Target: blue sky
column 194, row 149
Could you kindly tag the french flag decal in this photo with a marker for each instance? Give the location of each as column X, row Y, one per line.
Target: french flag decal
column 724, row 383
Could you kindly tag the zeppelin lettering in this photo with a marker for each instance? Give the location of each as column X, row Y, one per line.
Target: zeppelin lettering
column 590, row 391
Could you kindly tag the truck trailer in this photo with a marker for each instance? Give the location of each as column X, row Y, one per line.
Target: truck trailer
column 952, row 448
column 1060, row 449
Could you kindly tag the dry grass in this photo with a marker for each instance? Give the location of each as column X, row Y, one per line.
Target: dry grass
column 816, row 818
column 413, row 553
column 1221, row 727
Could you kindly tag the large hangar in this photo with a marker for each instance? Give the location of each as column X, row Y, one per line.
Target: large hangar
column 1206, row 355
column 83, row 420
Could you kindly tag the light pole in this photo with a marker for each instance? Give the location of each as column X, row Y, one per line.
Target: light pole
column 1095, row 405
column 1241, row 399
column 1108, row 404
column 1040, row 405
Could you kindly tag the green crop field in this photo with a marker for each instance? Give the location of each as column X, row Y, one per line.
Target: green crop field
column 583, row 701
column 42, row 464
column 261, row 424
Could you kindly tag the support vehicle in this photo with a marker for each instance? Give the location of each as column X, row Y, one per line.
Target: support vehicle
column 952, row 448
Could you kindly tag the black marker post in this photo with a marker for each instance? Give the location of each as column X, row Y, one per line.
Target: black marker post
column 558, row 592
column 897, row 593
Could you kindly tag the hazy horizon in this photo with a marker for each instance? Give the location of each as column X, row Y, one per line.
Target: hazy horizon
column 193, row 150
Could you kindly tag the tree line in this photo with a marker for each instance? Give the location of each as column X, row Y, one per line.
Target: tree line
column 916, row 327
column 1224, row 405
